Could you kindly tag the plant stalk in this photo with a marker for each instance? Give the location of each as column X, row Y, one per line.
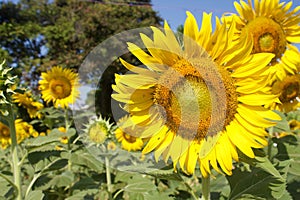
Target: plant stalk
column 108, row 178
column 206, row 188
column 271, row 130
column 14, row 152
column 191, row 191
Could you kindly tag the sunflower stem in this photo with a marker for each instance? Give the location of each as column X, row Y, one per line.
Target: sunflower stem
column 14, row 152
column 206, row 188
column 67, row 119
column 191, row 191
column 108, row 178
column 271, row 130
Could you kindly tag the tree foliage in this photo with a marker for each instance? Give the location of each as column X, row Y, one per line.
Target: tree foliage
column 36, row 35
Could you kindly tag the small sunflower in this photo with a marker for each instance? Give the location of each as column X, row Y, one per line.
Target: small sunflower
column 294, row 125
column 111, row 146
column 128, row 137
column 199, row 100
column 23, row 131
column 59, row 86
column 98, row 130
column 63, row 139
column 288, row 90
column 274, row 26
column 4, row 135
column 25, row 100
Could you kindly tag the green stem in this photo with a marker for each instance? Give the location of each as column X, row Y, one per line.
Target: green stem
column 271, row 130
column 14, row 152
column 67, row 119
column 36, row 176
column 108, row 178
column 191, row 191
column 206, row 188
column 117, row 193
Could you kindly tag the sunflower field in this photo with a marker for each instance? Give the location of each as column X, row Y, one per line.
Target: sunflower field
column 103, row 100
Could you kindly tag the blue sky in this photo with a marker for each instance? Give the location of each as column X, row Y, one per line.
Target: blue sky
column 174, row 10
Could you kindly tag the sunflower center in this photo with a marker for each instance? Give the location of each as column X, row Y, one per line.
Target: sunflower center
column 268, row 36
column 290, row 91
column 129, row 138
column 190, row 95
column 4, row 132
column 60, row 88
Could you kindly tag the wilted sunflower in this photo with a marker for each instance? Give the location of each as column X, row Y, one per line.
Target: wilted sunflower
column 23, row 131
column 128, row 136
column 200, row 100
column 25, row 100
column 59, row 86
column 273, row 26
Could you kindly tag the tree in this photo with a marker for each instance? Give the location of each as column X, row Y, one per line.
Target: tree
column 36, row 35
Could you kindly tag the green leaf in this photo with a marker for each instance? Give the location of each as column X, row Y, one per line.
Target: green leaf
column 63, row 180
column 257, row 183
column 219, row 184
column 88, row 160
column 136, row 196
column 42, row 183
column 34, row 195
column 288, row 147
column 155, row 170
column 264, row 181
column 140, row 187
column 136, row 183
column 57, row 164
column 265, row 164
column 5, row 184
column 53, row 136
column 282, row 125
column 37, row 156
column 86, row 195
column 85, row 183
column 156, row 195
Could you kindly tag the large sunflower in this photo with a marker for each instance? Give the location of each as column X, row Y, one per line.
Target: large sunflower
column 274, row 26
column 199, row 100
column 59, row 86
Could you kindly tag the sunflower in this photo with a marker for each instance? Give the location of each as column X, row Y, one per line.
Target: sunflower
column 63, row 139
column 288, row 65
column 274, row 26
column 23, row 131
column 4, row 135
column 25, row 100
column 288, row 90
column 128, row 137
column 111, row 146
column 98, row 130
column 294, row 125
column 198, row 99
column 59, row 86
